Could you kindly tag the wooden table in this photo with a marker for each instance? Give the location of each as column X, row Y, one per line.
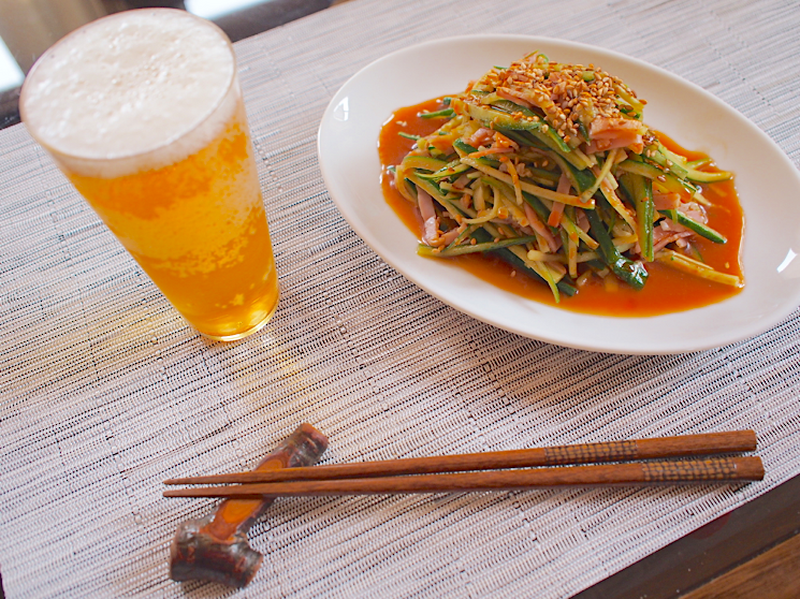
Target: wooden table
column 752, row 552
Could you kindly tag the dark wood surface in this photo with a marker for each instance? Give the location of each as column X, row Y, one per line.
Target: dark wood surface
column 743, row 545
column 774, row 574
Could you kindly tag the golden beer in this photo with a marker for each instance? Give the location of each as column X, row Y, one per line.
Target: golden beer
column 153, row 133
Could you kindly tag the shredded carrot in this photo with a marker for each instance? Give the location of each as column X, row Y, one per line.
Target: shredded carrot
column 554, row 219
column 564, row 185
column 492, row 150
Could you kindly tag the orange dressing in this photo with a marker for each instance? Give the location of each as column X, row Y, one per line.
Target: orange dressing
column 667, row 290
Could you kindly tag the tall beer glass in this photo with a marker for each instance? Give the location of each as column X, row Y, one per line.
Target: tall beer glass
column 143, row 112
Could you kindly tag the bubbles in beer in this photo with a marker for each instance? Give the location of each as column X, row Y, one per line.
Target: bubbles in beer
column 172, row 72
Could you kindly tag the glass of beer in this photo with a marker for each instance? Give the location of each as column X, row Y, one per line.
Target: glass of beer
column 143, row 112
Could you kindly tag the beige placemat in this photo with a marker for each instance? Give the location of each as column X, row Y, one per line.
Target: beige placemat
column 104, row 390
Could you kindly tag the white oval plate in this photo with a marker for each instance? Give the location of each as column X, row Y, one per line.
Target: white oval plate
column 766, row 180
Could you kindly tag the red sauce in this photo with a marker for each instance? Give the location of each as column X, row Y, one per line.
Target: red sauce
column 667, row 290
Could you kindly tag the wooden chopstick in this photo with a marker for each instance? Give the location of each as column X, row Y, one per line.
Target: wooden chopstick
column 584, row 453
column 737, row 469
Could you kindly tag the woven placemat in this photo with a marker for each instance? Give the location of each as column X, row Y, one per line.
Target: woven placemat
column 105, row 391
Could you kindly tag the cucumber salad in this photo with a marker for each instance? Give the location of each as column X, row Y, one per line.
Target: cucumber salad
column 551, row 167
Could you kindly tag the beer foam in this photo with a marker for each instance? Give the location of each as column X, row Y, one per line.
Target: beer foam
column 133, row 91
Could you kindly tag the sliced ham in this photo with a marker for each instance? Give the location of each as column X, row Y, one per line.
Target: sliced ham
column 607, row 133
column 430, row 227
column 537, row 225
column 482, row 137
column 514, row 96
column 666, row 201
column 666, row 232
column 694, row 211
column 430, row 222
